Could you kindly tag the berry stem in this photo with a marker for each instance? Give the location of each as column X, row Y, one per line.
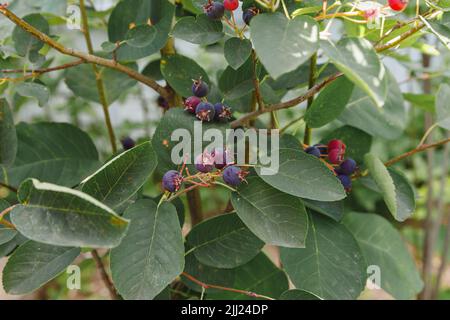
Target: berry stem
column 213, row 286
column 105, row 277
column 6, row 223
column 311, row 83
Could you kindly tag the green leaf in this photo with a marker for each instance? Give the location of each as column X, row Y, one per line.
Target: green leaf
column 8, row 247
column 139, row 12
column 8, row 137
column 303, row 175
column 34, row 264
column 151, row 256
column 421, row 100
column 54, row 152
column 6, row 234
column 357, row 141
column 34, row 90
column 441, row 31
column 383, row 246
column 141, row 36
column 275, row 217
column 177, row 118
column 393, row 186
column 296, row 294
column 82, row 81
column 237, row 51
column 26, row 44
column 153, row 70
column 332, row 209
column 357, row 59
column 179, row 72
column 331, row 266
column 198, row 30
column 235, row 84
column 443, row 106
column 387, row 122
column 260, row 275
column 330, row 103
column 121, row 177
column 223, row 242
column 283, row 45
column 65, row 217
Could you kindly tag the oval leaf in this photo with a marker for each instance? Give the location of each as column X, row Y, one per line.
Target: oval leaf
column 331, row 253
column 34, row 264
column 65, row 217
column 275, row 217
column 198, row 30
column 303, row 175
column 151, row 256
column 121, row 177
column 237, row 51
column 283, row 45
column 223, row 242
column 383, row 246
column 34, row 90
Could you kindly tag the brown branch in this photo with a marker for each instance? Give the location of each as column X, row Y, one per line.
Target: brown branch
column 6, row 223
column 98, row 80
column 90, row 58
column 416, row 150
column 256, row 82
column 105, row 277
column 284, row 105
column 45, row 70
column 213, row 286
column 7, row 186
column 403, row 36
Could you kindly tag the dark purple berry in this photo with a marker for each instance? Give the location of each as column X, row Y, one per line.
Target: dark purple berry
column 346, row 182
column 222, row 112
column 214, row 10
column 200, row 88
column 127, row 143
column 347, row 167
column 162, row 102
column 221, row 157
column 204, row 162
column 233, row 175
column 172, row 181
column 313, row 151
column 322, row 148
column 248, row 14
column 191, row 103
column 205, row 111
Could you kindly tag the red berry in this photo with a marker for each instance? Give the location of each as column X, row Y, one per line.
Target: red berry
column 336, row 144
column 398, row 5
column 335, row 156
column 231, row 5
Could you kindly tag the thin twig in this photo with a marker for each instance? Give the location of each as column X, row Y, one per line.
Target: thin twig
column 213, row 286
column 6, row 223
column 105, row 277
column 7, row 186
column 82, row 55
column 256, row 81
column 37, row 72
column 416, row 150
column 287, row 104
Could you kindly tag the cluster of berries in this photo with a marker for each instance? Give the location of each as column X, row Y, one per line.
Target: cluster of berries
column 205, row 163
column 215, row 10
column 204, row 110
column 335, row 151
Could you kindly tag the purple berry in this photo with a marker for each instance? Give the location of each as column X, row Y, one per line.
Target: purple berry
column 248, row 14
column 346, row 182
column 347, row 167
column 322, row 148
column 172, row 181
column 222, row 112
column 214, row 10
column 162, row 102
column 200, row 88
column 233, row 175
column 205, row 111
column 313, row 151
column 222, row 157
column 204, row 162
column 191, row 103
column 127, row 143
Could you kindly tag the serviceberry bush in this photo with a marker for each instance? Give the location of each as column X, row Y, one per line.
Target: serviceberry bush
column 357, row 90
